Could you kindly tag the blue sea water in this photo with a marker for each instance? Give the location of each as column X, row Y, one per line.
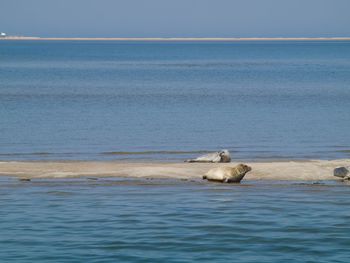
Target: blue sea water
column 95, row 100
column 168, row 101
column 133, row 220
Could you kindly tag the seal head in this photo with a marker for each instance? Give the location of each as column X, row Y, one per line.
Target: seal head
column 237, row 175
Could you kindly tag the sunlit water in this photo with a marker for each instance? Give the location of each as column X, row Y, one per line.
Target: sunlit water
column 125, row 220
column 170, row 101
column 96, row 100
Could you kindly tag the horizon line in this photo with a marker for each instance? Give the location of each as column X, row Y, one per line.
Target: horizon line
column 179, row 38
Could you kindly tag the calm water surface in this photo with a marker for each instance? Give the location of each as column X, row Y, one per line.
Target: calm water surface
column 169, row 101
column 122, row 220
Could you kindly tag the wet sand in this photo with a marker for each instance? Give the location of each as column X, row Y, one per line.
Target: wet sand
column 277, row 170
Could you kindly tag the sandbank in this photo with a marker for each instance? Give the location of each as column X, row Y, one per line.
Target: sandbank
column 276, row 170
column 179, row 39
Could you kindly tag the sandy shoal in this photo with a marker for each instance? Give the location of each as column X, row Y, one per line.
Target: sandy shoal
column 278, row 170
column 170, row 39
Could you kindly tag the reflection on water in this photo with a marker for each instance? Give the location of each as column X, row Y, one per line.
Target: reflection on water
column 133, row 220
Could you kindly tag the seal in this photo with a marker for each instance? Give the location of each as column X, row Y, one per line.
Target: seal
column 227, row 174
column 24, row 179
column 342, row 172
column 222, row 156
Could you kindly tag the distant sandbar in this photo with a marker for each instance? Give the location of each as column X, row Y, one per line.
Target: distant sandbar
column 180, row 39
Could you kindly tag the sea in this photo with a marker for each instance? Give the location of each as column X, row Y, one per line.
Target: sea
column 134, row 220
column 106, row 100
column 166, row 102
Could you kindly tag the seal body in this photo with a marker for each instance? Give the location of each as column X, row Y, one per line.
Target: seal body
column 222, row 156
column 24, row 179
column 342, row 172
column 227, row 174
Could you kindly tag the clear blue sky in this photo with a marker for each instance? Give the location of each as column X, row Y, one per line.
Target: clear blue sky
column 176, row 18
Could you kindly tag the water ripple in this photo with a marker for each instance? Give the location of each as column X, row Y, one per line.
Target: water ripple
column 124, row 220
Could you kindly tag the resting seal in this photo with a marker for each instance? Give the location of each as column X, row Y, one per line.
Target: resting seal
column 342, row 172
column 218, row 157
column 227, row 174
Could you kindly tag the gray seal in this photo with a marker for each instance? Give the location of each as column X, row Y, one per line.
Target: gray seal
column 227, row 174
column 222, row 156
column 342, row 172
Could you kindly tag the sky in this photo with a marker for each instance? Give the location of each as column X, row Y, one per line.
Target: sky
column 176, row 18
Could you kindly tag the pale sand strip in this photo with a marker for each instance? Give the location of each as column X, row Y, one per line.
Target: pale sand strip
column 286, row 170
column 233, row 39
